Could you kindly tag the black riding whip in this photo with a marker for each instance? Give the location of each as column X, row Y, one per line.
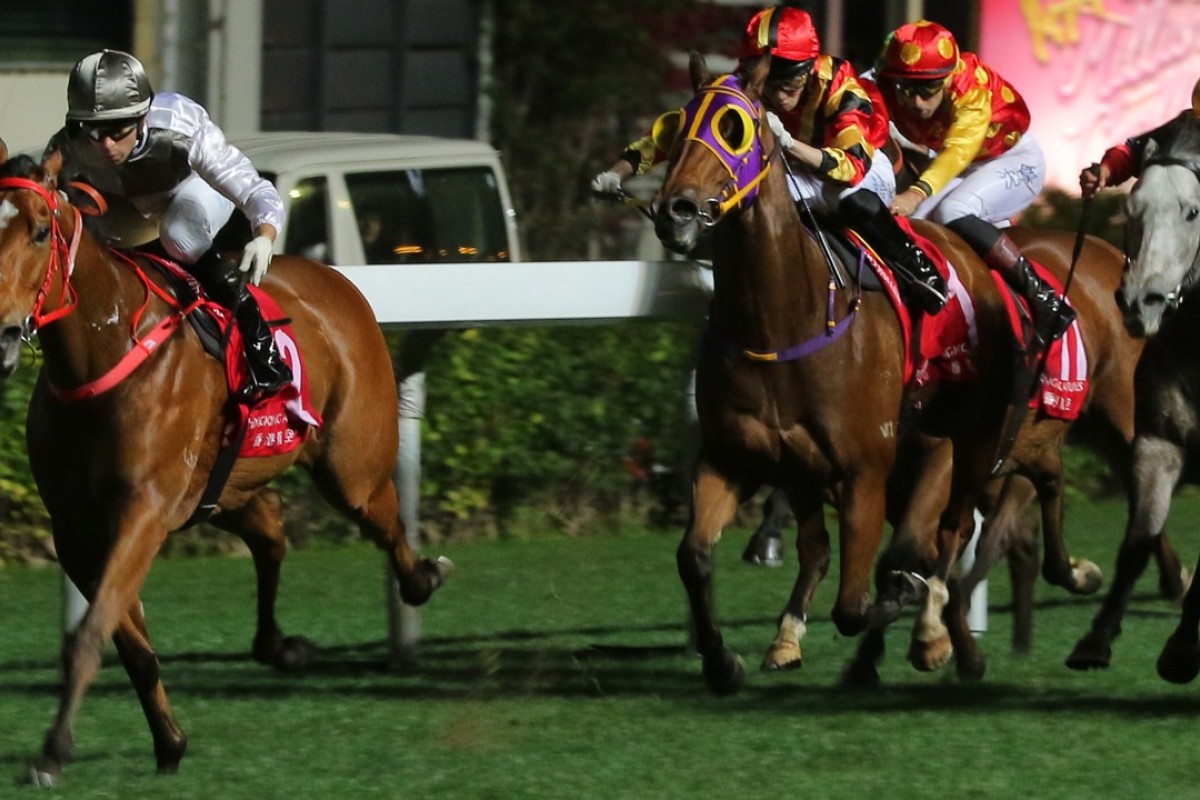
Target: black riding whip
column 1027, row 382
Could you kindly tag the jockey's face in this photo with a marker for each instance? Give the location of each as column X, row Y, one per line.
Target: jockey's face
column 115, row 140
column 783, row 96
column 921, row 98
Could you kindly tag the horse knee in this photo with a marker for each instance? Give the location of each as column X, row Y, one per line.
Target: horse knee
column 694, row 566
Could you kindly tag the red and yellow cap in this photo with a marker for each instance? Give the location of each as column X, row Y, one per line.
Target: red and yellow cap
column 920, row 50
column 786, row 33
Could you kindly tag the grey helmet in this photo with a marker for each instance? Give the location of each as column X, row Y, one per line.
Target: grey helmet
column 108, row 85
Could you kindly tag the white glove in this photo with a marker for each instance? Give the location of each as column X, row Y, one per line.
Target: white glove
column 255, row 259
column 606, row 184
column 785, row 138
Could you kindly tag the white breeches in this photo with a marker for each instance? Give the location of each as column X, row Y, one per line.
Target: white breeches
column 994, row 190
column 824, row 195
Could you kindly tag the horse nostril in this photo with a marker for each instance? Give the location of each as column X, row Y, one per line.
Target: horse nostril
column 683, row 210
column 1154, row 300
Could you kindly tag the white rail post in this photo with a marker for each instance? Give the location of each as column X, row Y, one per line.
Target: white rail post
column 404, row 621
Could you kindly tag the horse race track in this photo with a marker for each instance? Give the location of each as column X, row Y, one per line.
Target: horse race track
column 557, row 668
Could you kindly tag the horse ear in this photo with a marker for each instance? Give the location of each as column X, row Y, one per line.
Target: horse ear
column 698, row 70
column 1150, row 150
column 3, row 151
column 52, row 165
column 754, row 75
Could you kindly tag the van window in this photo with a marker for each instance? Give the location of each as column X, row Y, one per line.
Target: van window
column 421, row 216
column 308, row 219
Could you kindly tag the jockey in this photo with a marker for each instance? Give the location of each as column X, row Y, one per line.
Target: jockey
column 986, row 167
column 167, row 172
column 1124, row 161
column 825, row 122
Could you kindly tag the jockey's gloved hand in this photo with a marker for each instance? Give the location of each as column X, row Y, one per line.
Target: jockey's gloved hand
column 607, row 184
column 255, row 259
column 781, row 133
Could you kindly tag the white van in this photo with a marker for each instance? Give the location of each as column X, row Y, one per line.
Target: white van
column 374, row 198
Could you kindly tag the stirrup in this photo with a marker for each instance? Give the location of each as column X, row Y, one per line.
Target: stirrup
column 1057, row 317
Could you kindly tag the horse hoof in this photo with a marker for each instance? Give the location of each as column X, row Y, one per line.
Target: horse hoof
column 972, row 669
column 763, row 551
column 44, row 774
column 1179, row 661
column 725, row 673
column 293, row 654
column 861, row 675
column 932, row 655
column 1086, row 577
column 431, row 574
column 782, row 656
column 1174, row 587
column 1093, row 651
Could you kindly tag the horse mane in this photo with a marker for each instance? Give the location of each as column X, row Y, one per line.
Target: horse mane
column 21, row 166
column 1180, row 138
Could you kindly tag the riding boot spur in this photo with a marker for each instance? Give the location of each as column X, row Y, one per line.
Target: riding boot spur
column 1051, row 314
column 267, row 371
column 923, row 285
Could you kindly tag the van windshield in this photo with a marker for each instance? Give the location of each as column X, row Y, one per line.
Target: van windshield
column 421, row 216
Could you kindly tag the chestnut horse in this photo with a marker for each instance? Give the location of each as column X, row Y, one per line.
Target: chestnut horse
column 1163, row 235
column 119, row 471
column 800, row 385
column 1034, row 462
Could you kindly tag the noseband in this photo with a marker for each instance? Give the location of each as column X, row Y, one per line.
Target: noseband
column 62, row 256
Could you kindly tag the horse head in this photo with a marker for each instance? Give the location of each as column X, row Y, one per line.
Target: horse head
column 718, row 153
column 30, row 244
column 1163, row 229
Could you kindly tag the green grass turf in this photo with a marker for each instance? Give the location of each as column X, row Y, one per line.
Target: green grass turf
column 558, row 668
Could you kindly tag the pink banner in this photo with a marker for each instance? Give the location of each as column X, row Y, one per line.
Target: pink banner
column 1094, row 72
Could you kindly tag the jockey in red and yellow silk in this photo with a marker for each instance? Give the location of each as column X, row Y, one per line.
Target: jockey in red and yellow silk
column 833, row 131
column 985, row 166
column 980, row 117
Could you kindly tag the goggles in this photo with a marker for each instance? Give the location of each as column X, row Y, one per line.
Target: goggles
column 113, row 131
column 925, row 89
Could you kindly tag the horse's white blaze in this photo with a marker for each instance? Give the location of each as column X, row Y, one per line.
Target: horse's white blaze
column 7, row 212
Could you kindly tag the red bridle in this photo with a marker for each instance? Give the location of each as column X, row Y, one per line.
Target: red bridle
column 62, row 256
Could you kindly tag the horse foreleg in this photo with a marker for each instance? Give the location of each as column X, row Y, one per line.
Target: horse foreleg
column 109, row 600
column 259, row 523
column 861, row 515
column 141, row 664
column 1157, row 465
column 1173, row 578
column 1059, row 568
column 941, row 627
column 714, row 502
column 812, row 550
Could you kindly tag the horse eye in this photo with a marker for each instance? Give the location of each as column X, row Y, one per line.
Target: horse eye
column 41, row 234
column 1192, row 214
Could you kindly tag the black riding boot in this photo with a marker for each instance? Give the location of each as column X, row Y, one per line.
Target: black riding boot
column 1051, row 314
column 923, row 285
column 222, row 280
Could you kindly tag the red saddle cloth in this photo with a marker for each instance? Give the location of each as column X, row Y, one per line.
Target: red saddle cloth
column 949, row 339
column 1063, row 383
column 277, row 423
